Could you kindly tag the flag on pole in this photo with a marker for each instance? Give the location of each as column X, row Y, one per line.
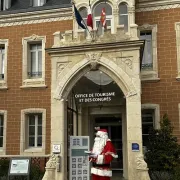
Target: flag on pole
column 89, row 18
column 103, row 18
column 79, row 19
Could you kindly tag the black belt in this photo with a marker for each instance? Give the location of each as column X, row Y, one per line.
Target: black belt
column 101, row 165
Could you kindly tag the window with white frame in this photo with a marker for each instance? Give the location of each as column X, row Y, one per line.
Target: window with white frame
column 2, row 61
column 177, row 28
column 97, row 15
column 33, row 61
column 33, row 125
column 3, row 124
column 34, row 134
column 147, row 61
column 1, row 130
column 149, row 70
column 38, row 2
column 123, row 16
column 83, row 13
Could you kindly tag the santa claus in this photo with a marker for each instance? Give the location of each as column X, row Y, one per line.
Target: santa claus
column 101, row 156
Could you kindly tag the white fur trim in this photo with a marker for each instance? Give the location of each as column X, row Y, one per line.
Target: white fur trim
column 101, row 172
column 100, row 159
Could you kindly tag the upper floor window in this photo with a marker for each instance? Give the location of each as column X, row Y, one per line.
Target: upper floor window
column 38, row 2
column 35, row 60
column 147, row 62
column 83, row 13
column 97, row 15
column 123, row 16
column 1, row 130
column 2, row 61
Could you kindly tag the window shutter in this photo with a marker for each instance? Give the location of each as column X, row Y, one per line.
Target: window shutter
column 7, row 4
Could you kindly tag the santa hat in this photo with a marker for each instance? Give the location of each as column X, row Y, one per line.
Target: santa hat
column 102, row 132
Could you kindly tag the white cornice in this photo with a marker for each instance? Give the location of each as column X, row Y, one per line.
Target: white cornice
column 152, row 5
column 36, row 17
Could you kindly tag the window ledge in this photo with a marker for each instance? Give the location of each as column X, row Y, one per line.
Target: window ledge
column 33, row 151
column 33, row 83
column 3, row 84
column 149, row 76
column 178, row 78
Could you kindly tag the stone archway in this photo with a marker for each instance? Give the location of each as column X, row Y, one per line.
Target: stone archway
column 69, row 64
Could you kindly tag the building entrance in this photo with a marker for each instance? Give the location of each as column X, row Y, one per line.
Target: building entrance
column 113, row 124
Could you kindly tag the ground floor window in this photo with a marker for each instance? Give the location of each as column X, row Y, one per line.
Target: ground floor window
column 34, row 130
column 1, row 130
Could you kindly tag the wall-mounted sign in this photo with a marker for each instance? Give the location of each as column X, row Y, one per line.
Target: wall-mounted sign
column 135, row 147
column 95, row 97
column 56, row 148
column 19, row 166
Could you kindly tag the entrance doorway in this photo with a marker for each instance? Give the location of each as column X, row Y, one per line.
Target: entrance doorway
column 113, row 124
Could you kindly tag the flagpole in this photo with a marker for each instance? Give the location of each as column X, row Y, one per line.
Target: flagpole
column 83, row 21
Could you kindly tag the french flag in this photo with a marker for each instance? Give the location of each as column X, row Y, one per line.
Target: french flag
column 89, row 19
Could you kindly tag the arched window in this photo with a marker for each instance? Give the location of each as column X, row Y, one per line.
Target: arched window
column 97, row 14
column 123, row 16
column 83, row 13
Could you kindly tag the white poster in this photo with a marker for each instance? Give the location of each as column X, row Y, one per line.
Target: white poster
column 19, row 166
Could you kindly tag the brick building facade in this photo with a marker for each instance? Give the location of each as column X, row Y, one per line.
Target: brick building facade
column 24, row 26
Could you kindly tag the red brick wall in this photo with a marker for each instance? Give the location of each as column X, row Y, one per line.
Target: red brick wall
column 166, row 92
column 15, row 99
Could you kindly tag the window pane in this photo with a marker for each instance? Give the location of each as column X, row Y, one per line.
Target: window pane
column 99, row 7
column 39, row 46
column 123, row 9
column 31, row 130
column 39, row 143
column 146, row 128
column 40, row 119
column 1, row 141
column 1, row 120
column 145, row 140
column 31, row 119
column 32, row 46
column 31, row 141
column 39, row 130
column 1, row 131
column 40, row 62
column 83, row 12
column 33, row 62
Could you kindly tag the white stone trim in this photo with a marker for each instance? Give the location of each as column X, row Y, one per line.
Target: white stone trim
column 156, row 109
column 151, row 75
column 26, row 82
column 32, row 151
column 3, row 83
column 100, row 159
column 154, row 5
column 177, row 29
column 3, row 149
column 101, row 172
column 36, row 17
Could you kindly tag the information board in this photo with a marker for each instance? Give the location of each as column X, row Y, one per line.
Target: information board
column 79, row 161
column 19, row 167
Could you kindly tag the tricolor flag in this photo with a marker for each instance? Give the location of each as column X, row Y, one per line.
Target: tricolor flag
column 103, row 18
column 79, row 19
column 89, row 18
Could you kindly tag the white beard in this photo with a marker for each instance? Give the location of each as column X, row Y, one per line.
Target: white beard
column 99, row 144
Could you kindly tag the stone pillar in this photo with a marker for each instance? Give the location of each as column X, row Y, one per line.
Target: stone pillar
column 59, row 133
column 134, row 132
column 115, row 21
column 135, row 159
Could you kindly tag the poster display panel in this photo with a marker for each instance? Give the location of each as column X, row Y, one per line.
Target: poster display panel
column 79, row 161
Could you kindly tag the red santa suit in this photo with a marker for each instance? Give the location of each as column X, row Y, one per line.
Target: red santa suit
column 103, row 153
